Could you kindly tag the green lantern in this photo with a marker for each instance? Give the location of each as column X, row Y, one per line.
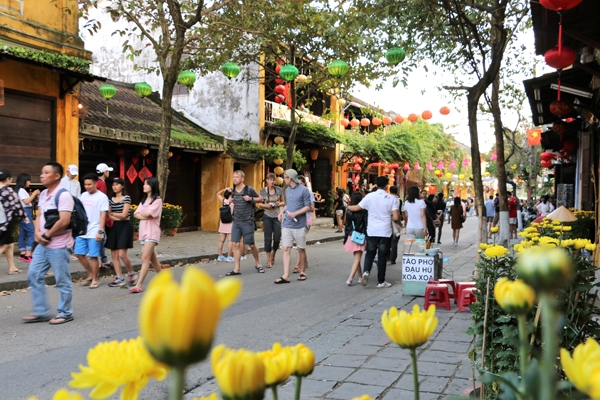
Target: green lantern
column 395, row 55
column 108, row 92
column 338, row 68
column 288, row 72
column 230, row 70
column 187, row 78
column 143, row 89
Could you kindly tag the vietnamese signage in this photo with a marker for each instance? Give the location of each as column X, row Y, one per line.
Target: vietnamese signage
column 417, row 268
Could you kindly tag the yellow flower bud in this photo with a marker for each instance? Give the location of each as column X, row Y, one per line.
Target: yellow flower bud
column 240, row 373
column 494, row 229
column 304, row 360
column 545, row 269
column 279, row 364
column 178, row 321
column 583, row 369
column 409, row 331
column 580, row 243
column 515, row 297
column 484, row 246
column 590, row 247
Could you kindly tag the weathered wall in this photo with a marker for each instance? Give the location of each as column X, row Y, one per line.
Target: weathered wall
column 216, row 174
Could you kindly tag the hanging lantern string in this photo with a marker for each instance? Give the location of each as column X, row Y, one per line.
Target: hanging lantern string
column 558, row 85
column 560, row 32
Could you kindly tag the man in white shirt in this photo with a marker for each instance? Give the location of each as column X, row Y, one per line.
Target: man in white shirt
column 96, row 207
column 383, row 208
column 68, row 181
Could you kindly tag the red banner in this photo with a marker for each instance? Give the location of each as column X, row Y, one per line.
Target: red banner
column 534, row 137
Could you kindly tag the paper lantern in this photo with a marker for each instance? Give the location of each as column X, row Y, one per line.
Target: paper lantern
column 413, row 117
column 302, row 78
column 288, row 72
column 280, row 99
column 559, row 127
column 314, row 153
column 406, row 166
column 546, row 156
column 559, row 5
column 344, row 122
column 486, row 174
column 560, row 59
column 546, row 163
column 452, row 164
column 277, row 69
column 429, row 167
column 376, row 121
column 399, row 119
column 170, row 154
column 365, row 122
column 454, row 177
column 440, row 165
column 278, row 170
column 341, row 102
column 195, row 159
column 278, row 140
column 386, row 171
column 278, row 161
column 119, row 151
column 143, row 89
column 395, row 55
column 338, row 68
column 386, row 120
column 426, row 115
column 417, row 167
column 359, row 159
column 187, row 79
column 107, row 91
column 461, row 176
column 494, row 156
column 144, row 152
column 280, row 89
column 437, row 172
column 560, row 108
column 395, row 165
column 279, row 81
column 570, row 144
column 355, row 122
column 444, row 110
column 357, row 167
column 448, row 175
column 279, row 181
column 230, row 70
column 465, row 162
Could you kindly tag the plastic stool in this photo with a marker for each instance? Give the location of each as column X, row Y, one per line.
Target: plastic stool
column 467, row 297
column 436, row 294
column 459, row 286
column 448, row 282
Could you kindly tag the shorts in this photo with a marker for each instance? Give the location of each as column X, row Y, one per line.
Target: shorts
column 238, row 230
column 490, row 220
column 149, row 241
column 339, row 213
column 289, row 235
column 512, row 221
column 86, row 246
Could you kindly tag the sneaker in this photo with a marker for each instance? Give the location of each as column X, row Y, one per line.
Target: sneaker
column 131, row 279
column 365, row 278
column 384, row 285
column 118, row 282
column 229, row 259
column 221, row 258
column 349, row 282
column 243, row 257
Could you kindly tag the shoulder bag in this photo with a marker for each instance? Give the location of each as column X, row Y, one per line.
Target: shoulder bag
column 357, row 237
column 225, row 212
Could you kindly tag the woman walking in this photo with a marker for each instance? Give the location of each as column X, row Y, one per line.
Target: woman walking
column 13, row 213
column 120, row 237
column 272, row 199
column 414, row 214
column 431, row 216
column 225, row 199
column 26, row 230
column 355, row 221
column 457, row 212
column 339, row 210
column 148, row 212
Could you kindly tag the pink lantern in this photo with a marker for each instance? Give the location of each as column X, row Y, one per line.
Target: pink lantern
column 452, row 164
column 465, row 162
column 429, row 167
column 494, row 156
column 440, row 165
column 406, row 166
column 417, row 166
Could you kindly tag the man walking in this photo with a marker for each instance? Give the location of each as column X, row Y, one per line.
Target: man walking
column 490, row 212
column 440, row 207
column 293, row 224
column 96, row 207
column 395, row 231
column 54, row 239
column 244, row 198
column 309, row 216
column 383, row 208
column 103, row 171
column 69, row 182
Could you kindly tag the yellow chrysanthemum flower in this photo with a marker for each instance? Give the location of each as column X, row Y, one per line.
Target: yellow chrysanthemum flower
column 178, row 321
column 531, row 229
column 304, row 360
column 545, row 268
column 515, row 297
column 518, row 248
column 567, row 243
column 409, row 331
column 583, row 369
column 115, row 364
column 240, row 373
column 523, row 234
column 567, row 228
column 494, row 229
column 64, row 394
column 580, row 243
column 496, row 251
column 556, row 222
column 590, row 247
column 279, row 364
column 484, row 246
column 213, row 396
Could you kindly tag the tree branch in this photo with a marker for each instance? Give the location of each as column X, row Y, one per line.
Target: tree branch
column 136, row 21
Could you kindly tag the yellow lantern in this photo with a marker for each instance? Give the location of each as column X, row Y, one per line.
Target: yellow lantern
column 278, row 140
column 279, row 180
column 278, row 161
column 448, row 175
column 461, row 176
column 278, row 171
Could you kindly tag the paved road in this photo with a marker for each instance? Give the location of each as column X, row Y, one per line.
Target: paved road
column 37, row 359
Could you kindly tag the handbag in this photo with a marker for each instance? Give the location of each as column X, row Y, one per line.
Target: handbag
column 225, row 212
column 463, row 218
column 357, row 237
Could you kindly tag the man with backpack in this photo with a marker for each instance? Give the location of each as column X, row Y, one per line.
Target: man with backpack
column 53, row 234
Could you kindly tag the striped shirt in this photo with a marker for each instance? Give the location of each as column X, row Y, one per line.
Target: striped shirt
column 117, row 208
column 243, row 211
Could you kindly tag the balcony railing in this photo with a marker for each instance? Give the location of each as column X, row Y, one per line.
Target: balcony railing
column 275, row 111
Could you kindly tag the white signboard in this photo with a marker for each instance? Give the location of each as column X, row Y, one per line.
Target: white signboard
column 417, row 268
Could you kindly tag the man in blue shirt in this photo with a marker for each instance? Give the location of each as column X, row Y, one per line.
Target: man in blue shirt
column 490, row 212
column 293, row 224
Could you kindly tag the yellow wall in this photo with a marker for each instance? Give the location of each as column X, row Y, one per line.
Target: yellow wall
column 216, row 173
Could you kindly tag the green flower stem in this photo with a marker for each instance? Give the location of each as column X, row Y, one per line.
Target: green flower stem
column 548, row 373
column 298, row 387
column 177, row 384
column 523, row 348
column 413, row 357
column 274, row 391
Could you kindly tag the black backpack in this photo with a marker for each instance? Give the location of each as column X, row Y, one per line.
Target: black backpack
column 79, row 221
column 226, row 216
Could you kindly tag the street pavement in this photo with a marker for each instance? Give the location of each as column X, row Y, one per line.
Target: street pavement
column 340, row 324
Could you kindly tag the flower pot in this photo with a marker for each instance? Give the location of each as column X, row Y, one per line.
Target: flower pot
column 170, row 231
column 136, row 235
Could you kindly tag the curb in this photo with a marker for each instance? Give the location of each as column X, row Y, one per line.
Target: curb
column 77, row 275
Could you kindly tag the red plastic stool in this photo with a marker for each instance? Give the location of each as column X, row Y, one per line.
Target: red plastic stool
column 448, row 282
column 467, row 297
column 459, row 287
column 436, row 294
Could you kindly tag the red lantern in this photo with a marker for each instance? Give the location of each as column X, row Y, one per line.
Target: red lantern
column 365, row 122
column 376, row 121
column 426, row 115
column 279, row 81
column 399, row 119
column 413, row 117
column 355, row 122
column 494, row 156
column 387, row 120
column 570, row 144
column 119, row 151
column 357, row 167
column 546, row 164
column 444, row 110
column 277, row 69
column 560, row 108
column 386, row 171
column 195, row 159
column 344, row 122
column 359, row 159
column 395, row 165
column 560, row 59
column 406, row 166
column 279, row 98
column 314, row 153
column 546, row 156
column 280, row 89
column 559, row 5
column 559, row 127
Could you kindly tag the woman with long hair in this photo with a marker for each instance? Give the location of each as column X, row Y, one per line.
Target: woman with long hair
column 414, row 214
column 225, row 199
column 544, row 207
column 120, row 237
column 148, row 212
column 272, row 199
column 355, row 221
column 431, row 214
column 26, row 229
column 456, row 212
column 13, row 212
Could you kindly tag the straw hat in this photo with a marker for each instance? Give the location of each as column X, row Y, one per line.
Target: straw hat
column 562, row 214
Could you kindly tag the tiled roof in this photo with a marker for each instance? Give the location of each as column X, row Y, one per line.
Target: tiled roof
column 131, row 118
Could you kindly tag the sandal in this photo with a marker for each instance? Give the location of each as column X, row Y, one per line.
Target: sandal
column 94, row 285
column 281, row 279
column 232, row 273
column 302, row 277
column 30, row 319
column 259, row 269
column 296, row 270
column 16, row 271
column 268, row 265
column 61, row 320
column 86, row 282
column 136, row 290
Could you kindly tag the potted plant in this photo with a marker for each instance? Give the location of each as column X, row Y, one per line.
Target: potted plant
column 171, row 218
column 134, row 222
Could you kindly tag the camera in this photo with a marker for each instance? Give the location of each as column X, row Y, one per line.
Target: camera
column 272, row 205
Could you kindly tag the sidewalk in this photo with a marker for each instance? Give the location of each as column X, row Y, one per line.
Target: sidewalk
column 355, row 357
column 183, row 248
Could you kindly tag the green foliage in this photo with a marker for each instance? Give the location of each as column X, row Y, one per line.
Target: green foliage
column 171, row 217
column 58, row 60
column 270, row 154
column 314, row 131
column 192, row 139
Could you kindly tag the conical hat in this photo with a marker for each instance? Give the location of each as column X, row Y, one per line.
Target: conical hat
column 562, row 214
